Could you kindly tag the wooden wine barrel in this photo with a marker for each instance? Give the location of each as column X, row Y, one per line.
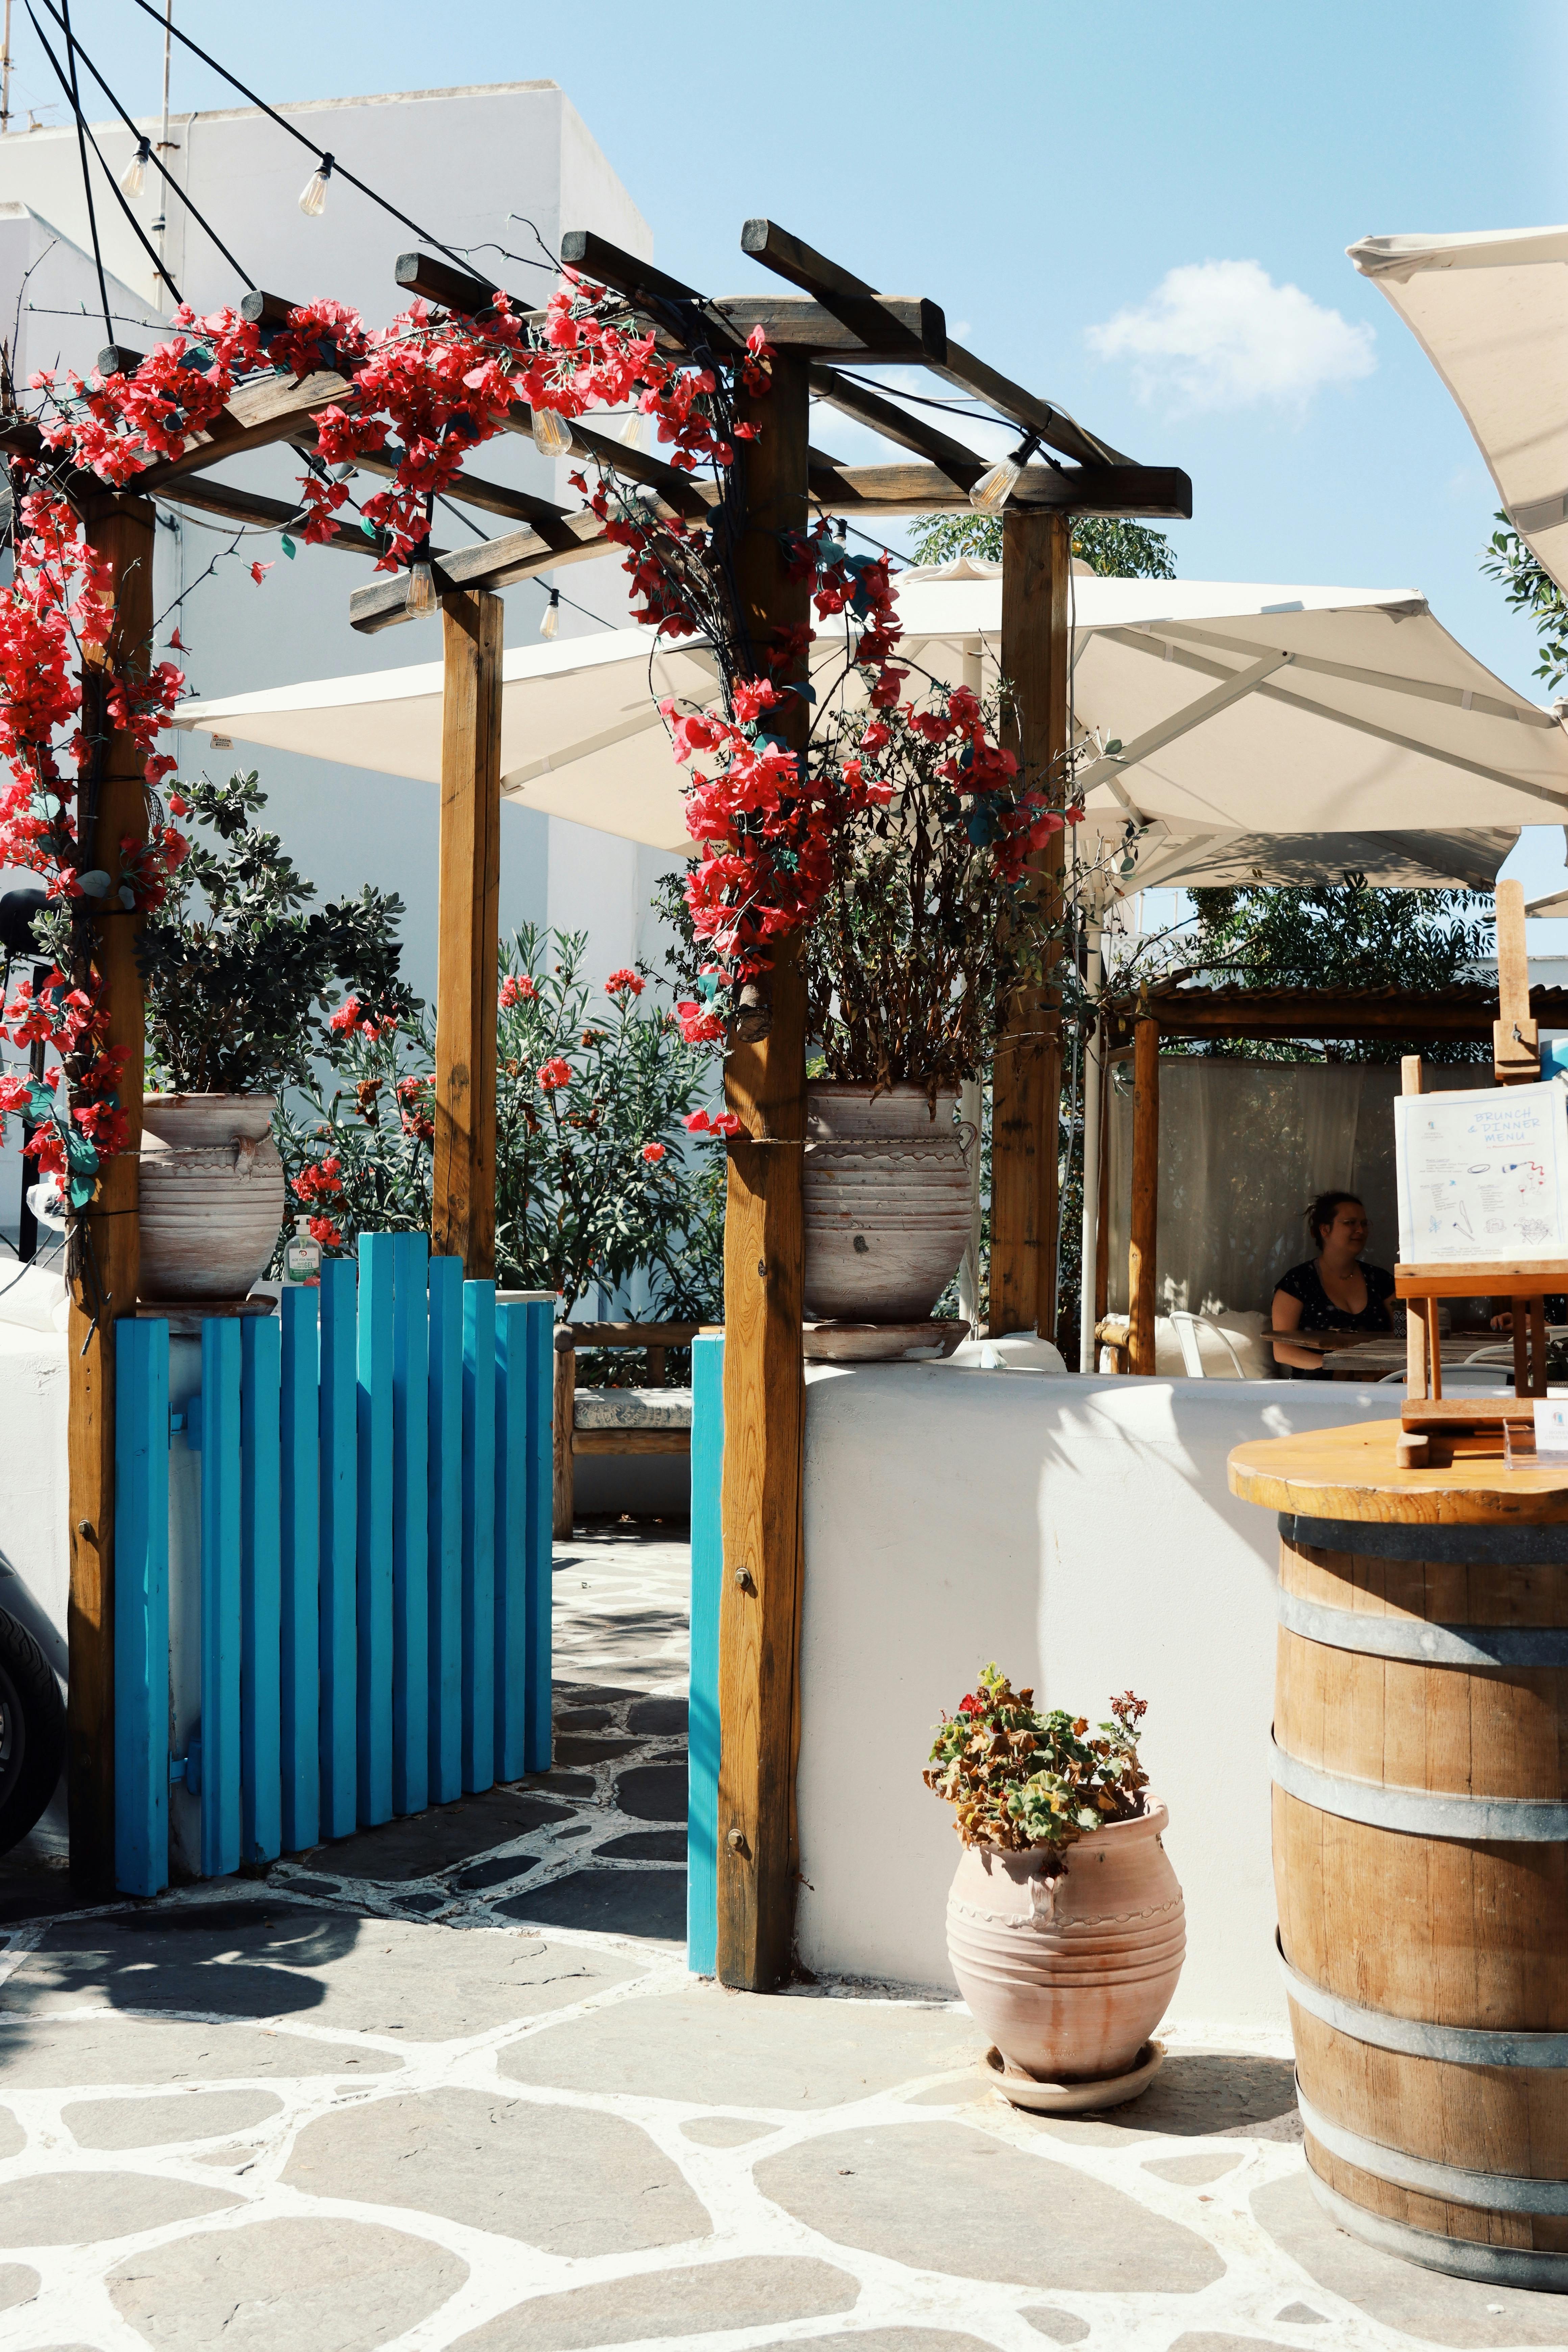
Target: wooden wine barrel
column 1421, row 1843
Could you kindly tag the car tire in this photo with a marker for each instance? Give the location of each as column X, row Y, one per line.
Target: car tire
column 32, row 1731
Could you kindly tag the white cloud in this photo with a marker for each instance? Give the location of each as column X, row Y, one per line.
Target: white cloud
column 1221, row 334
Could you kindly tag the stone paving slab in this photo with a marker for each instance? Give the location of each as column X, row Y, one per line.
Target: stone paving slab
column 681, row 2305
column 285, row 2286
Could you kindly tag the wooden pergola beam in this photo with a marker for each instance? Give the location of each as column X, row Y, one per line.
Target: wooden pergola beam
column 491, row 563
column 204, row 496
column 1306, row 1013
column 259, row 416
column 1161, row 491
column 961, row 466
column 541, row 515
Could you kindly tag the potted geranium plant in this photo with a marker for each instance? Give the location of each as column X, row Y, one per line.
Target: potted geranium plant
column 238, row 971
column 1065, row 1923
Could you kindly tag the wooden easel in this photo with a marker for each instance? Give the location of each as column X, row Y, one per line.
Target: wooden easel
column 1431, row 1423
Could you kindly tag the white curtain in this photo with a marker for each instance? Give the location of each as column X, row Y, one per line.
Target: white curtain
column 1244, row 1146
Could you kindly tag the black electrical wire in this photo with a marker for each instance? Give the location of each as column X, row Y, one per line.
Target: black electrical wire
column 114, row 185
column 339, row 170
column 164, row 173
column 86, row 179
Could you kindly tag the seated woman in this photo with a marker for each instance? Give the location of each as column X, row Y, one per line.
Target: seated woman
column 1333, row 1292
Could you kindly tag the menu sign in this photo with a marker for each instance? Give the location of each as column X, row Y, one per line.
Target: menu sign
column 1482, row 1175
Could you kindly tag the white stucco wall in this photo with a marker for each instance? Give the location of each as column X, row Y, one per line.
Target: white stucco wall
column 1079, row 1532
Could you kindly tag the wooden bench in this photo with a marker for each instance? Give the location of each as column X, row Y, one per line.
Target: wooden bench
column 658, row 1434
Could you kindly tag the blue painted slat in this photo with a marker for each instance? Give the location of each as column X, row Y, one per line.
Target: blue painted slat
column 478, row 1533
column 374, row 1581
column 445, row 1618
column 261, row 1601
column 220, row 1596
column 141, row 1606
column 706, row 1580
column 537, row 1749
column 340, row 1497
column 511, row 1539
column 299, row 1569
column 410, row 1508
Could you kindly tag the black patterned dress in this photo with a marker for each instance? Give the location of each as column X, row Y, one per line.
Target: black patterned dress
column 1319, row 1312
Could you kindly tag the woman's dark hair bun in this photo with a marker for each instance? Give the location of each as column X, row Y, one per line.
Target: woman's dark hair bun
column 1326, row 1208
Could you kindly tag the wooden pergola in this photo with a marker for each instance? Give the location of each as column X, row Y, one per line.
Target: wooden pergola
column 830, row 327
column 1284, row 1014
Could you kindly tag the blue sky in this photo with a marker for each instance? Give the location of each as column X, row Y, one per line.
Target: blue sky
column 1040, row 170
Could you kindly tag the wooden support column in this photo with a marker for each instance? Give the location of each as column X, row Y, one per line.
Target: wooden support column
column 1143, row 1224
column 1026, row 1082
column 106, row 1254
column 764, row 1388
column 463, row 1207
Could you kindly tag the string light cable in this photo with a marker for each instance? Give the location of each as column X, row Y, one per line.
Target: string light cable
column 86, row 183
column 151, row 157
column 84, row 133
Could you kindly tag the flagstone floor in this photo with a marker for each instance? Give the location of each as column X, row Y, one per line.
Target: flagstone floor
column 447, row 2084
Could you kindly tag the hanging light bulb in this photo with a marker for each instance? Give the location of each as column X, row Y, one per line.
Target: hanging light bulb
column 552, row 620
column 135, row 173
column 313, row 194
column 631, row 431
column 996, row 487
column 552, row 434
column 422, row 596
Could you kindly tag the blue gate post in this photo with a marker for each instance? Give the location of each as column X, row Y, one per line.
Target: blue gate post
column 220, row 1588
column 511, row 1539
column 375, row 1576
column 300, row 1568
column 141, row 1606
column 446, row 1530
column 478, row 1533
column 410, row 1538
column 340, row 1489
column 261, row 1600
column 706, row 1580
column 537, row 1735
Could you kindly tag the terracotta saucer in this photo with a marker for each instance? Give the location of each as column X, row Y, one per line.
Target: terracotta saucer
column 1021, row 2090
column 882, row 1343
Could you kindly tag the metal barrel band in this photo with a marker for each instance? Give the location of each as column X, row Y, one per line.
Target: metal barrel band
column 1489, row 1547
column 1458, row 2045
column 1421, row 1641
column 1423, row 1812
column 1501, row 2192
column 1469, row 2258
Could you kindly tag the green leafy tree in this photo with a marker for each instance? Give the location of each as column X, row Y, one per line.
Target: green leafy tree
column 1530, row 589
column 1342, row 934
column 1116, row 549
column 240, row 969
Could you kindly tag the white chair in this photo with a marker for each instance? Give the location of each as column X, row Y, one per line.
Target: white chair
column 1186, row 1329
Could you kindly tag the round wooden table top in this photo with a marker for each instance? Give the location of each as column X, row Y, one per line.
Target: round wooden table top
column 1351, row 1473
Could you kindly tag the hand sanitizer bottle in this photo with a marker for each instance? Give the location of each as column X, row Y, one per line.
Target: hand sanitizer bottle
column 302, row 1254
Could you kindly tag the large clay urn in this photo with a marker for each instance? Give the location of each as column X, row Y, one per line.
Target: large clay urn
column 887, row 1202
column 1069, row 1976
column 211, row 1197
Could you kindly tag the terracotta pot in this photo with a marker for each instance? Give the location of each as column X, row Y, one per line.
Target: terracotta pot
column 212, row 1194
column 887, row 1202
column 1069, row 1976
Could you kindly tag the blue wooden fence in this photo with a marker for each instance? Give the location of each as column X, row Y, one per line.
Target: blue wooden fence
column 375, row 1560
column 707, row 1577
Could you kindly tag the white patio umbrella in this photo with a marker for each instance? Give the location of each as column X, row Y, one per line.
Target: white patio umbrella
column 1268, row 732
column 1491, row 311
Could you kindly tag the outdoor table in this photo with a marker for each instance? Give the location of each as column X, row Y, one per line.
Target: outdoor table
column 1420, row 1862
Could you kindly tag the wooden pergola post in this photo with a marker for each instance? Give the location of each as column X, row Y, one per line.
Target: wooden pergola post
column 765, row 1380
column 106, row 1257
column 1026, row 1097
column 463, row 1203
column 1144, row 1222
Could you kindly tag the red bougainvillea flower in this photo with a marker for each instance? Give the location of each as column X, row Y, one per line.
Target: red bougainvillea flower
column 699, row 1123
column 258, row 573
column 653, row 1153
column 516, row 992
column 556, row 1072
column 624, row 982
column 700, row 1024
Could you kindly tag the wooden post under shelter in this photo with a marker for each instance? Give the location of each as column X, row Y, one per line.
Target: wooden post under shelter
column 463, row 1184
column 1144, row 1224
column 106, row 1257
column 1026, row 1095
